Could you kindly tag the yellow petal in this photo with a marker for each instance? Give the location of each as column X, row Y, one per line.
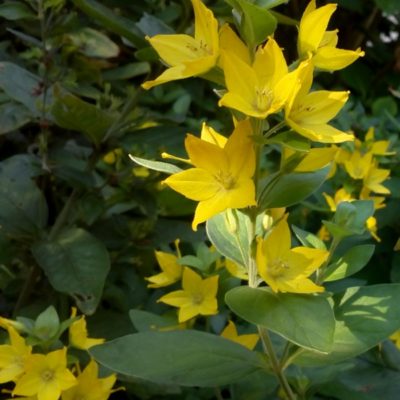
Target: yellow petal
column 321, row 133
column 228, row 40
column 208, row 134
column 178, row 298
column 312, row 28
column 209, row 306
column 169, row 263
column 315, row 258
column 319, row 107
column 300, row 285
column 330, row 39
column 316, row 158
column 209, row 286
column 205, row 155
column 191, row 282
column 194, row 183
column 333, row 59
column 187, row 312
column 205, row 26
column 170, row 74
column 277, row 243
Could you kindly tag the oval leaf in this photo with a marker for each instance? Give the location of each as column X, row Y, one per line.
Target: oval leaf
column 156, row 165
column 187, row 358
column 365, row 316
column 75, row 263
column 305, row 320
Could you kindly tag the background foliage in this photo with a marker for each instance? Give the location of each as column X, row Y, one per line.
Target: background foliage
column 80, row 222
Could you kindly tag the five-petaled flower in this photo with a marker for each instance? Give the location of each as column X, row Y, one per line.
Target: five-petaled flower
column 185, row 55
column 222, row 177
column 285, row 269
column 315, row 42
column 198, row 296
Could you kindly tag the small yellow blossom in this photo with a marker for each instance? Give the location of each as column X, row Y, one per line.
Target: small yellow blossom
column 314, row 159
column 112, row 156
column 45, row 376
column 374, row 178
column 78, row 334
column 395, row 337
column 340, row 195
column 13, row 356
column 185, row 55
column 316, row 42
column 376, row 147
column 324, row 234
column 89, row 386
column 309, row 113
column 372, row 226
column 171, row 269
column 198, row 296
column 262, row 88
column 285, row 269
column 249, row 340
column 358, row 165
column 222, row 177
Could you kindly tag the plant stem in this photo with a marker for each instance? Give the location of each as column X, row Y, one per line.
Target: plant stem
column 274, row 129
column 320, row 271
column 275, row 365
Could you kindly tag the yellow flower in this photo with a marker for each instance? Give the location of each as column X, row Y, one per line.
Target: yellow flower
column 249, row 340
column 379, row 147
column 374, row 178
column 198, row 296
column 186, row 55
column 13, row 356
column 316, row 42
column 112, row 156
column 89, row 386
column 379, row 201
column 171, row 270
column 372, row 227
column 46, row 376
column 262, row 88
column 78, row 334
column 309, row 113
column 285, row 269
column 324, row 234
column 396, row 338
column 222, row 177
column 358, row 165
column 340, row 195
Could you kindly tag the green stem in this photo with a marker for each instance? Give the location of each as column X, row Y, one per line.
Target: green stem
column 274, row 129
column 320, row 271
column 275, row 365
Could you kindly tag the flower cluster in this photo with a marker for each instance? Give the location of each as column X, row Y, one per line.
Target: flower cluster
column 259, row 86
column 39, row 367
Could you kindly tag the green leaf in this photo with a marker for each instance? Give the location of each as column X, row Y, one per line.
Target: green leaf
column 350, row 218
column 13, row 116
column 384, row 105
column 365, row 316
column 354, row 260
column 93, row 43
column 305, row 320
column 24, row 87
column 127, row 71
column 145, row 321
column 47, row 324
column 76, row 263
column 389, row 6
column 107, row 19
column 270, row 3
column 288, row 189
column 308, row 239
column 256, row 23
column 187, row 358
column 229, row 233
column 15, row 10
column 70, row 112
column 23, row 208
column 292, row 140
column 156, row 165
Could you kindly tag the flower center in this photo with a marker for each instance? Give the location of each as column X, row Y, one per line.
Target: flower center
column 277, row 268
column 47, row 375
column 225, row 179
column 201, row 49
column 197, row 298
column 264, row 99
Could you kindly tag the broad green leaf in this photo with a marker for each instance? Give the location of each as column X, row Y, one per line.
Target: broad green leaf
column 308, row 239
column 13, row 116
column 127, row 71
column 156, row 165
column 350, row 263
column 109, row 20
column 270, row 3
column 23, row 207
column 305, row 320
column 93, row 43
column 229, row 232
column 70, row 112
column 288, row 189
column 24, row 87
column 256, row 23
column 151, row 26
column 365, row 316
column 75, row 263
column 187, row 358
column 15, row 10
